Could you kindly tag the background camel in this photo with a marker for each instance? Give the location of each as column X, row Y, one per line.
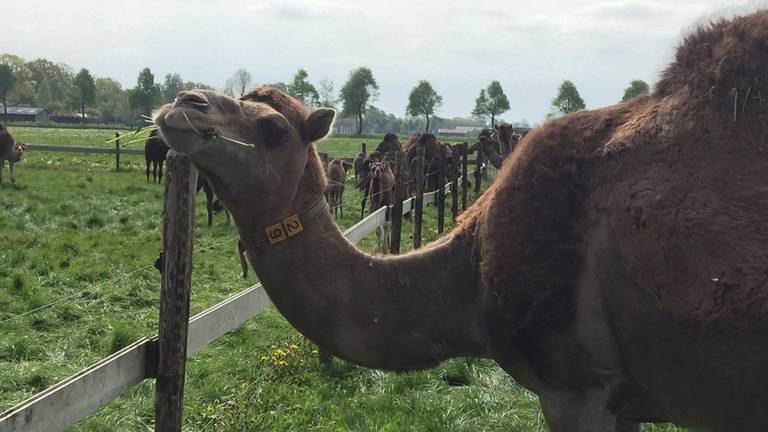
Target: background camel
column 10, row 151
column 337, row 175
column 381, row 192
column 617, row 266
column 155, row 150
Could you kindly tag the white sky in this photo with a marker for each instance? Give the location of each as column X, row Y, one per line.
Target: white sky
column 530, row 47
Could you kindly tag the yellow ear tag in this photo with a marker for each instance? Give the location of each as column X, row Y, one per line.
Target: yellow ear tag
column 282, row 231
column 275, row 233
column 293, row 225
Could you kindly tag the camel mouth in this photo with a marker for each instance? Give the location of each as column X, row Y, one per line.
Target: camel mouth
column 185, row 130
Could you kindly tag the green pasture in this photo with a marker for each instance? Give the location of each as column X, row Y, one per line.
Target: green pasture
column 74, row 230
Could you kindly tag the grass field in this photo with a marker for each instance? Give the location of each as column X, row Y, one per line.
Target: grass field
column 73, row 229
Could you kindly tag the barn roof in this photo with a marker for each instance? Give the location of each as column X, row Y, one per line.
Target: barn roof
column 23, row 110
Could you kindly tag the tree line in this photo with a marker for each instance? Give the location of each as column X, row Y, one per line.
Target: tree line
column 57, row 87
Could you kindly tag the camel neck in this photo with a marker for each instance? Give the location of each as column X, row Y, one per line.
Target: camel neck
column 398, row 313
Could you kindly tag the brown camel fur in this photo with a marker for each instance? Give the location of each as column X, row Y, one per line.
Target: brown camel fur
column 617, row 266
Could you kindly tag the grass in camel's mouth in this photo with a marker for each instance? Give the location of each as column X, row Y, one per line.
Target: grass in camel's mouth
column 142, row 133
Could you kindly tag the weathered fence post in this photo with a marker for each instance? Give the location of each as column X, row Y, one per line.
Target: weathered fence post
column 441, row 194
column 178, row 232
column 478, row 171
column 396, row 214
column 464, row 176
column 418, row 203
column 117, row 151
column 362, row 149
column 455, row 172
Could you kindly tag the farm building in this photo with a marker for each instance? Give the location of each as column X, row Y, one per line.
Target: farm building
column 25, row 114
column 459, row 131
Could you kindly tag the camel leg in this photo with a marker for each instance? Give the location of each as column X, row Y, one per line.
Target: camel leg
column 13, row 175
column 209, row 205
column 387, row 239
column 160, row 172
column 241, row 254
column 379, row 234
column 2, row 167
column 154, row 172
column 341, row 202
column 148, row 163
column 582, row 411
column 226, row 213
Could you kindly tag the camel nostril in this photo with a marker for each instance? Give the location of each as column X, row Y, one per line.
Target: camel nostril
column 193, row 99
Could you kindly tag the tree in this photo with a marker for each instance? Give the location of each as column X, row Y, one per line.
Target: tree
column 491, row 102
column 635, row 89
column 481, row 106
column 7, row 81
column 423, row 100
column 171, row 86
column 111, row 100
column 85, row 90
column 191, row 85
column 238, row 83
column 303, row 90
column 568, row 99
column 23, row 91
column 52, row 82
column 327, row 95
column 359, row 90
column 146, row 93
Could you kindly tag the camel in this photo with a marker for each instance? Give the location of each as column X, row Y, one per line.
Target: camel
column 507, row 138
column 486, row 144
column 212, row 205
column 433, row 148
column 10, row 151
column 381, row 193
column 616, row 267
column 337, row 174
column 358, row 165
column 389, row 145
column 154, row 153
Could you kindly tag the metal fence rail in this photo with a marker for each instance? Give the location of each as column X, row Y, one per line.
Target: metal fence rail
column 86, row 150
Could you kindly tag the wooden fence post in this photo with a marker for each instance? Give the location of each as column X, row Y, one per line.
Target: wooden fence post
column 396, row 213
column 419, row 201
column 178, row 233
column 464, row 175
column 117, row 151
column 441, row 194
column 455, row 172
column 478, row 171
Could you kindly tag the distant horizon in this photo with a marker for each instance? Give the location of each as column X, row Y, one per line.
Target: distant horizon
column 599, row 45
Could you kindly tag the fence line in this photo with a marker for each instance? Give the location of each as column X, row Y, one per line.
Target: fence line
column 73, row 399
column 87, row 150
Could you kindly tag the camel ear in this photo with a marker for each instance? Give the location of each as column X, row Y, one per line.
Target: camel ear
column 318, row 124
column 272, row 128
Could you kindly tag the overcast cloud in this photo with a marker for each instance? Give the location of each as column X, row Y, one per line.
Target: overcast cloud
column 530, row 47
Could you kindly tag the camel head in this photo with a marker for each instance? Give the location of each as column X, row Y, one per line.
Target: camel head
column 18, row 151
column 254, row 150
